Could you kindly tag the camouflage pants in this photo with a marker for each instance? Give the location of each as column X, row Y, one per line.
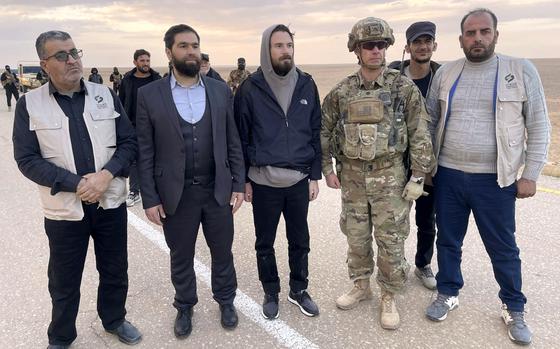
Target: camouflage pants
column 373, row 199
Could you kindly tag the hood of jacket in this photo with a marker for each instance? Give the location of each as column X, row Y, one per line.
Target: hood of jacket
column 282, row 86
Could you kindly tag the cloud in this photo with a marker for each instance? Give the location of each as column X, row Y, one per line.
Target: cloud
column 110, row 31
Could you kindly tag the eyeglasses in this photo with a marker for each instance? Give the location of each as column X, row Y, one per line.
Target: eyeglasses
column 370, row 45
column 62, row 56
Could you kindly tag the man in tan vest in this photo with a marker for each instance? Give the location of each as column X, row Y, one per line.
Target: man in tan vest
column 74, row 140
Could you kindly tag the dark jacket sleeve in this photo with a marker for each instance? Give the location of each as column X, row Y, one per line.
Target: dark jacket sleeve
column 243, row 120
column 146, row 153
column 316, row 137
column 234, row 148
column 127, row 146
column 123, row 91
column 27, row 154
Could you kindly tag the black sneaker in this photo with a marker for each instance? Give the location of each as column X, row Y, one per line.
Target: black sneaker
column 304, row 302
column 270, row 306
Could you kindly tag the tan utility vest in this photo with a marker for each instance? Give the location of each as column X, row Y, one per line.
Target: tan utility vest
column 510, row 121
column 50, row 124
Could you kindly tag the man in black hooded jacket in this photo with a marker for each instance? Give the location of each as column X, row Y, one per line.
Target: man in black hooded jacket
column 139, row 76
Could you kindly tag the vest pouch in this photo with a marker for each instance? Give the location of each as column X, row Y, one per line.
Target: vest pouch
column 402, row 137
column 368, row 137
column 351, row 148
column 366, row 110
column 105, row 127
column 49, row 133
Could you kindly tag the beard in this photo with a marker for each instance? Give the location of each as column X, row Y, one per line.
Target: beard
column 283, row 66
column 486, row 53
column 143, row 68
column 188, row 69
column 420, row 60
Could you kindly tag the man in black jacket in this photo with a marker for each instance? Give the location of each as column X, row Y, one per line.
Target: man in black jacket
column 420, row 44
column 206, row 69
column 278, row 113
column 10, row 82
column 139, row 76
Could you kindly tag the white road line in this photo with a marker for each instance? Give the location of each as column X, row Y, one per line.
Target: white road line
column 286, row 335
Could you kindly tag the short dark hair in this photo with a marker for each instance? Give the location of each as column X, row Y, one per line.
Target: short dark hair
column 282, row 28
column 478, row 11
column 169, row 37
column 47, row 36
column 141, row 52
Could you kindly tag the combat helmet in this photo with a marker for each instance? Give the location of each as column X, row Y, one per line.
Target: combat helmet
column 370, row 29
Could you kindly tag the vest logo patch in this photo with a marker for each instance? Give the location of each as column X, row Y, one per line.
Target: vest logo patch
column 303, row 101
column 510, row 81
column 100, row 103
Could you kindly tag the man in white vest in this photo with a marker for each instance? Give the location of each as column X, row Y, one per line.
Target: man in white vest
column 73, row 139
column 489, row 118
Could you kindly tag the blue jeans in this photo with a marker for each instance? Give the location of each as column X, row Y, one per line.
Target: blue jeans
column 458, row 193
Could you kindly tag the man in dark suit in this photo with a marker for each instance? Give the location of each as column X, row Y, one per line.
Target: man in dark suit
column 191, row 167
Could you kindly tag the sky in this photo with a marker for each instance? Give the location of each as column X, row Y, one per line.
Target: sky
column 110, row 31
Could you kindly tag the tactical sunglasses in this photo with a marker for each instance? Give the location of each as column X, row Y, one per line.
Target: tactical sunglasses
column 370, row 45
column 62, row 56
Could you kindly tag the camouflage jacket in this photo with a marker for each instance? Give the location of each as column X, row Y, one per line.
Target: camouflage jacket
column 236, row 77
column 396, row 132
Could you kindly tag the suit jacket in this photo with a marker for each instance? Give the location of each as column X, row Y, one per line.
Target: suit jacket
column 161, row 148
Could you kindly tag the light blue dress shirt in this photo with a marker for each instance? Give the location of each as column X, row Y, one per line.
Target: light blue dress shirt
column 189, row 101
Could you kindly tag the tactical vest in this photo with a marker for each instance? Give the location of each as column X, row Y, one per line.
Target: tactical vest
column 51, row 126
column 373, row 125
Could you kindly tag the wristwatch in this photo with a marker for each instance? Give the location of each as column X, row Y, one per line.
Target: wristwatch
column 417, row 180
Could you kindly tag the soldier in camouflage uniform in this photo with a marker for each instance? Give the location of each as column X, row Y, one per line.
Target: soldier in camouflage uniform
column 369, row 120
column 237, row 76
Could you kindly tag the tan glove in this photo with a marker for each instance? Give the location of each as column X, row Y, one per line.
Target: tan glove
column 413, row 189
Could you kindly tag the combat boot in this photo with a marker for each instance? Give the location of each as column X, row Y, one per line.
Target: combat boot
column 389, row 318
column 359, row 292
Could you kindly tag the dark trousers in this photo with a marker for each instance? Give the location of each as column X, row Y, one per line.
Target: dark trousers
column 457, row 195
column 197, row 205
column 133, row 180
column 426, row 224
column 268, row 204
column 68, row 244
column 11, row 90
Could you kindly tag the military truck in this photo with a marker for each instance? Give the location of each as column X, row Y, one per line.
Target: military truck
column 27, row 73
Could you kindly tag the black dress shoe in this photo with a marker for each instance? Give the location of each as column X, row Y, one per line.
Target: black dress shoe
column 183, row 323
column 229, row 316
column 127, row 333
column 58, row 346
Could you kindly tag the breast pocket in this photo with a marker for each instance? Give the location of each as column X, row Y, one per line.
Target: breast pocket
column 510, row 106
column 103, row 124
column 49, row 134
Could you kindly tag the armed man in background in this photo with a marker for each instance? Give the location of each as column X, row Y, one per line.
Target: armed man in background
column 420, row 44
column 10, row 82
column 369, row 120
column 237, row 76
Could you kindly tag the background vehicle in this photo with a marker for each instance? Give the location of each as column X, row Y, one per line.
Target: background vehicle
column 27, row 74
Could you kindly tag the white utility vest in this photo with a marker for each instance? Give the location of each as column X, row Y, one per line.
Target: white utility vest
column 510, row 120
column 51, row 126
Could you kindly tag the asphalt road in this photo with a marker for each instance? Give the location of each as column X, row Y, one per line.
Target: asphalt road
column 25, row 303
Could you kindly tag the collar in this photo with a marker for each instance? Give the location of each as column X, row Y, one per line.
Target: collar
column 380, row 81
column 53, row 89
column 174, row 83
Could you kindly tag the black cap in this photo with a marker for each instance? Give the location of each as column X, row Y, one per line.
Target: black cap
column 205, row 57
column 420, row 28
column 241, row 60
